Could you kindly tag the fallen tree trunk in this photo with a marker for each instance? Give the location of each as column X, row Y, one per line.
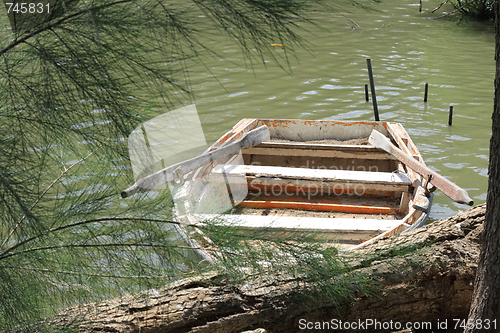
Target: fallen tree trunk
column 425, row 276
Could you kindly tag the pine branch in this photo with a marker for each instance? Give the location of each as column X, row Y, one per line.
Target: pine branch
column 95, row 246
column 450, row 13
column 57, row 23
column 48, row 270
column 18, row 198
column 7, row 252
column 440, row 5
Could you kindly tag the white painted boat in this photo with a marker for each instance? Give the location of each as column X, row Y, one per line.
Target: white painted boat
column 319, row 176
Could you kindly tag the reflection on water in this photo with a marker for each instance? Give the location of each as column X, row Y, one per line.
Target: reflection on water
column 327, row 82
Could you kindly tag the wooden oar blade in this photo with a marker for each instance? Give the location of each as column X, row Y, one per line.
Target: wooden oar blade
column 379, row 140
column 450, row 189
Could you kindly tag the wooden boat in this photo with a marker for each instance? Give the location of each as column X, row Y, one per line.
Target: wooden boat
column 313, row 176
column 319, row 176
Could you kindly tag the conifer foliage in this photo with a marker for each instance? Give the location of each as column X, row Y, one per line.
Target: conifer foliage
column 72, row 87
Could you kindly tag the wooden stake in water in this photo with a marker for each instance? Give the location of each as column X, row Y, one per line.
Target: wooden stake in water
column 372, row 86
column 366, row 93
column 450, row 116
column 426, row 91
column 420, row 9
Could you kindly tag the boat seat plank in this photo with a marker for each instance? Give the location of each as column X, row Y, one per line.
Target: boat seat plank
column 318, row 150
column 344, row 176
column 319, row 187
column 315, row 206
column 322, row 146
column 340, row 228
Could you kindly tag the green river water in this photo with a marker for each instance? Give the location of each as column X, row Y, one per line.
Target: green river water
column 327, row 81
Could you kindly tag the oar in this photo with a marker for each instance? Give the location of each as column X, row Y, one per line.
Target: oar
column 252, row 138
column 450, row 189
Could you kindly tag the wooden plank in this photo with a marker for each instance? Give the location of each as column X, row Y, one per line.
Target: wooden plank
column 420, row 200
column 318, row 146
column 344, row 176
column 308, row 130
column 330, row 228
column 305, row 187
column 405, row 199
column 404, row 142
column 241, row 128
column 317, row 206
column 329, row 151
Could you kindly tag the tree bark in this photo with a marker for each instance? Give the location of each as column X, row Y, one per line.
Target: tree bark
column 423, row 276
column 486, row 300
